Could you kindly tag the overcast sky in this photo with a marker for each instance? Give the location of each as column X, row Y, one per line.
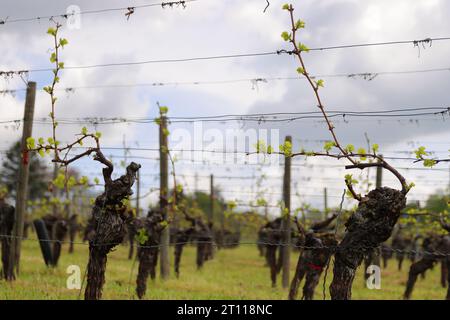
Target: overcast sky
column 221, row 27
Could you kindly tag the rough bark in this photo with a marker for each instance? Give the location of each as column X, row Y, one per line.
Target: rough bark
column 367, row 228
column 145, row 261
column 300, row 272
column 318, row 249
column 311, row 282
column 181, row 239
column 96, row 273
column 110, row 232
column 109, row 218
column 147, row 251
column 312, row 261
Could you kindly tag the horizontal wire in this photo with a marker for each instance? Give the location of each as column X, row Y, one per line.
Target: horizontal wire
column 67, row 15
column 246, row 153
column 225, row 56
column 208, row 162
column 416, row 120
column 386, row 43
column 316, row 112
column 344, row 115
column 202, row 162
column 118, row 64
column 259, row 117
column 315, row 141
column 224, row 152
column 281, row 244
column 254, row 81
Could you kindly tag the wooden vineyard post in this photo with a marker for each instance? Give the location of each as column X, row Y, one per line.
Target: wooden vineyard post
column 22, row 183
column 164, row 195
column 286, row 224
column 379, row 179
column 378, row 184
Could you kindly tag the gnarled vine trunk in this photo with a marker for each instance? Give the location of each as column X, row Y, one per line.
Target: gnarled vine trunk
column 145, row 264
column 435, row 249
column 96, row 273
column 367, row 228
column 317, row 250
column 203, row 235
column 147, row 248
column 109, row 219
column 57, row 228
column 181, row 239
column 273, row 237
column 110, row 230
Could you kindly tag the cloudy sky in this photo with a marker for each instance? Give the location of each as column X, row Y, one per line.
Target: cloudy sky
column 227, row 27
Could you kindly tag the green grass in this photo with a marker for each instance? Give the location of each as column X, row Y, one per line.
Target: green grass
column 233, row 274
